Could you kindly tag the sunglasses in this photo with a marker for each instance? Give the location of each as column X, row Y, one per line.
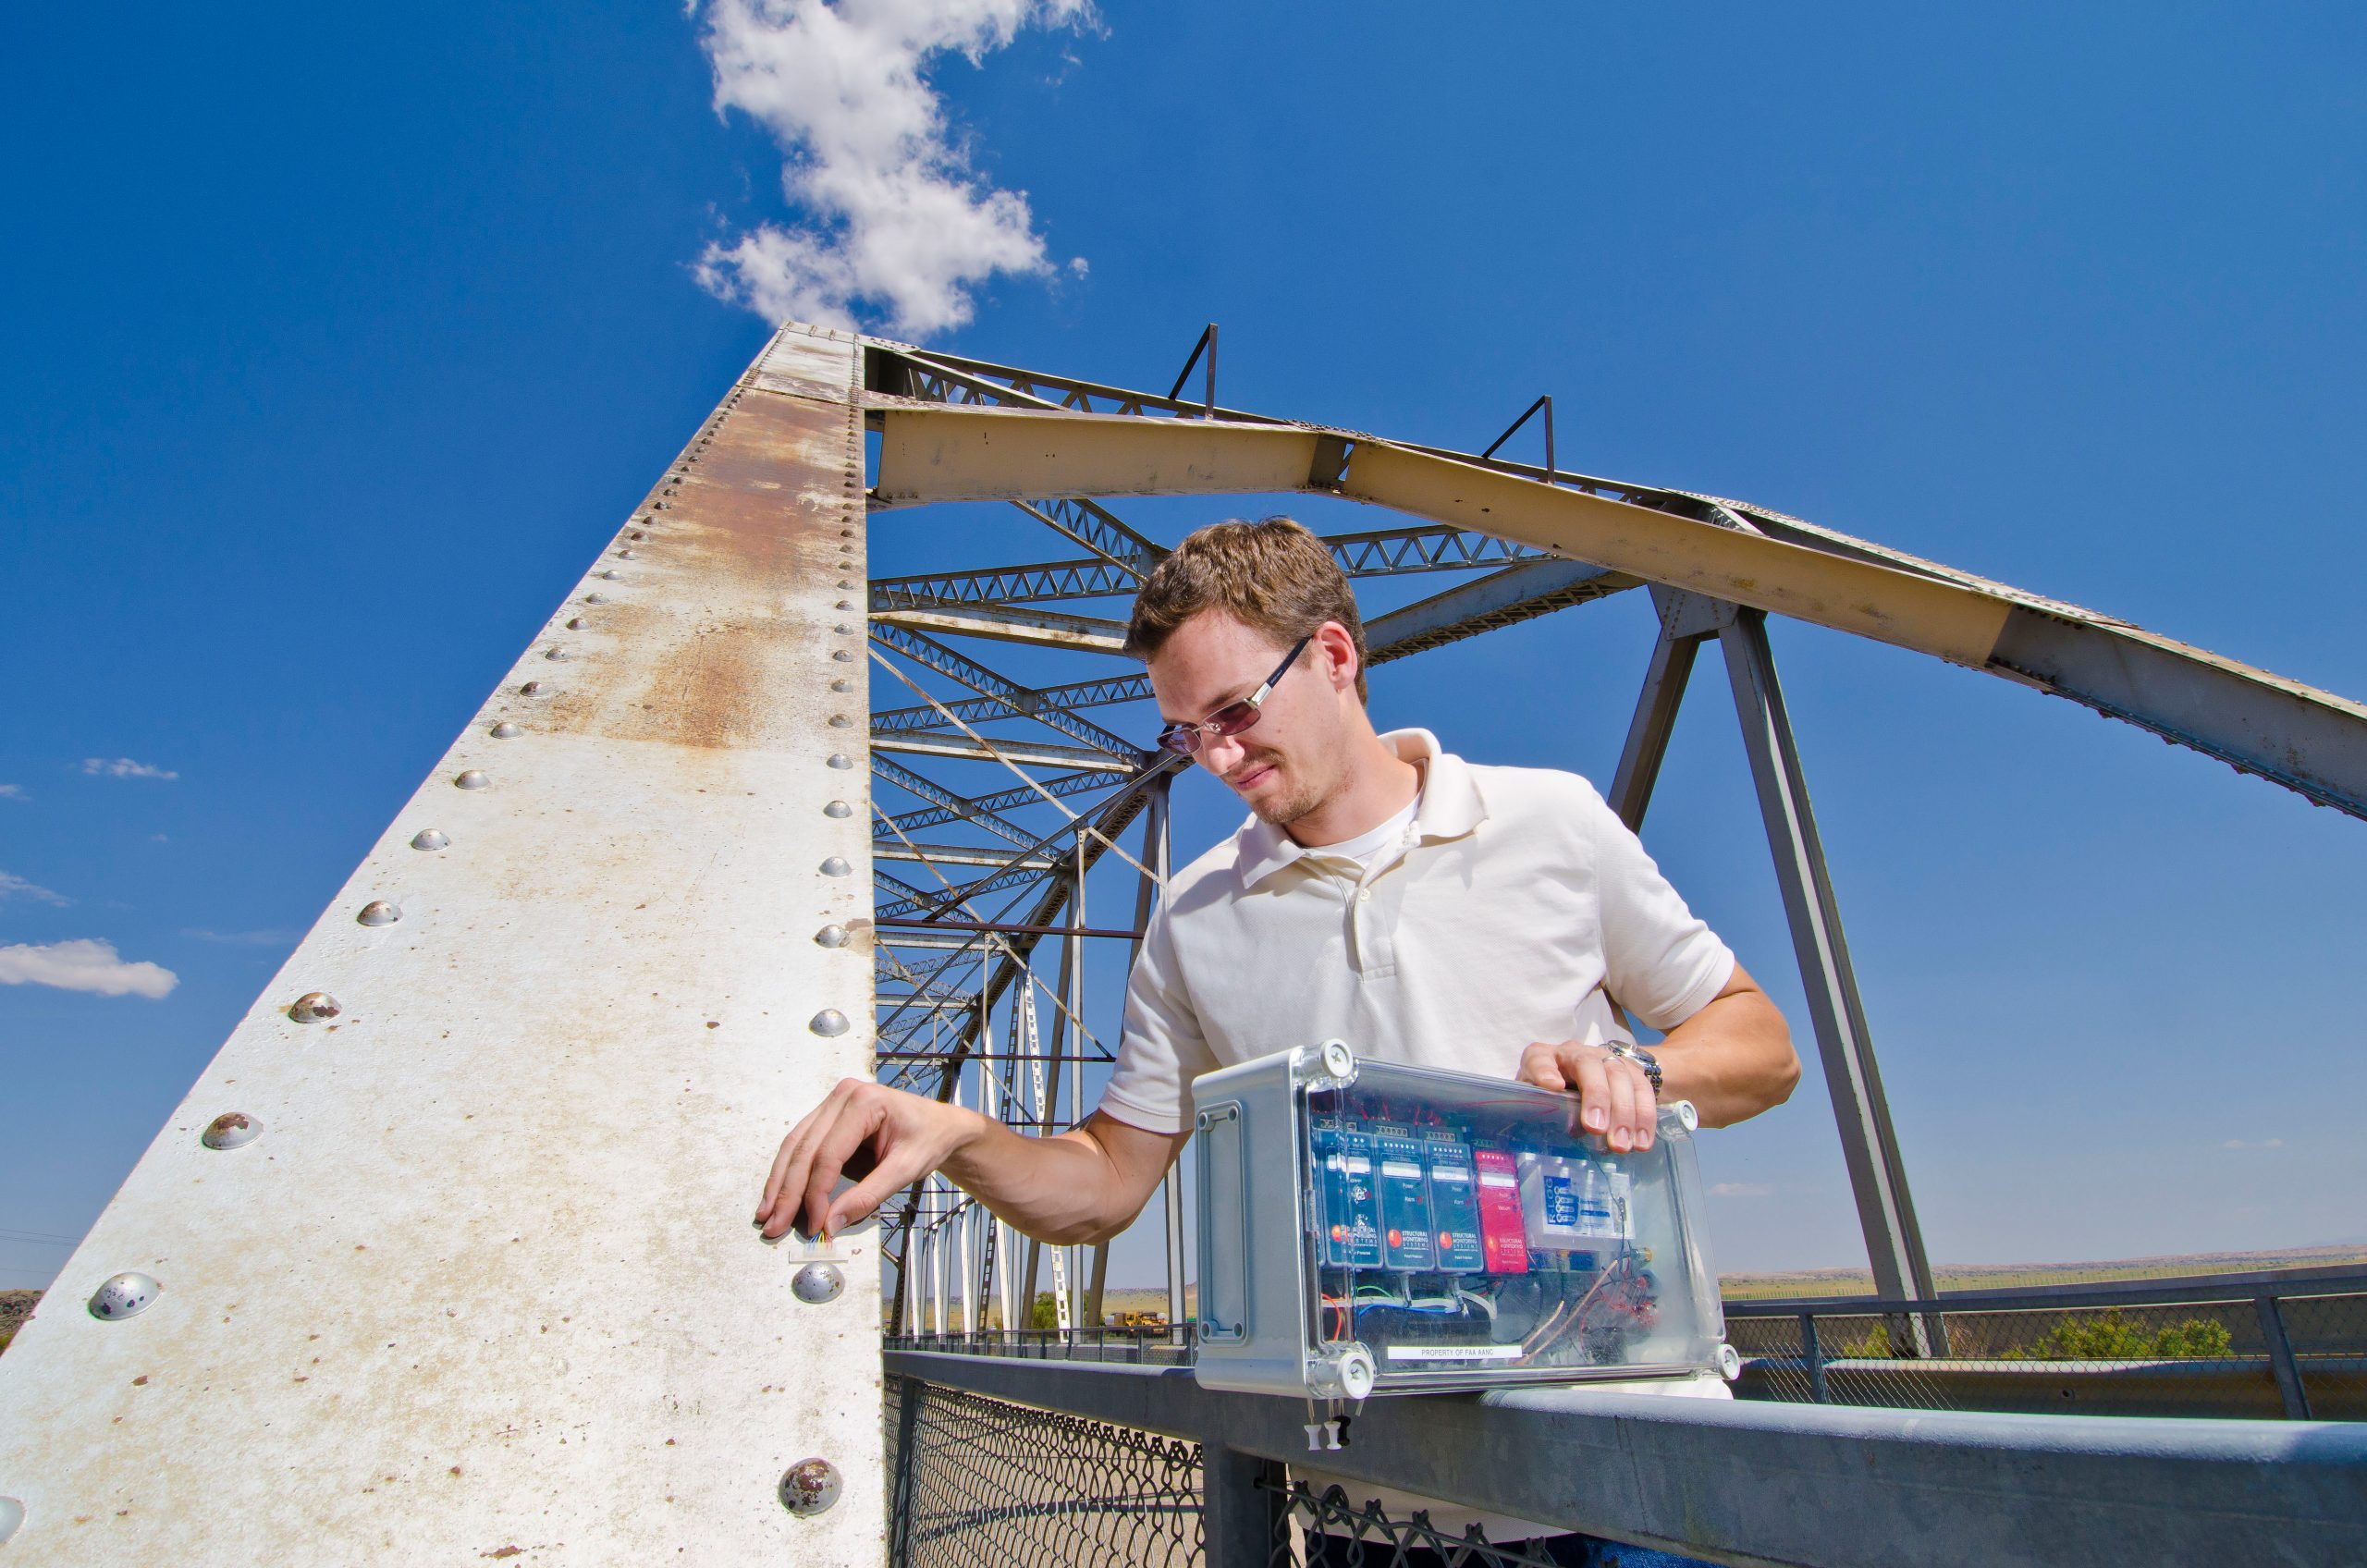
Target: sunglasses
column 1185, row 739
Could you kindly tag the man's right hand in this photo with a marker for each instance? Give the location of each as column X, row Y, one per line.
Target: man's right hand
column 882, row 1137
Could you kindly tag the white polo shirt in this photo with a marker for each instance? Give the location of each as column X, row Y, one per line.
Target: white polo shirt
column 1520, row 907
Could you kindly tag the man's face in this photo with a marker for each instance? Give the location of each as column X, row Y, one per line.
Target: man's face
column 1286, row 764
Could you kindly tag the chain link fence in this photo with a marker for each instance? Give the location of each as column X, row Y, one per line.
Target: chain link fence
column 974, row 1480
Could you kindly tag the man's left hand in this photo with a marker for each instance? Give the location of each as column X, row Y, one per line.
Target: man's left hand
column 1614, row 1098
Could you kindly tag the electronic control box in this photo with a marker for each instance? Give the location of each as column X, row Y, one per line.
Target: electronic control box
column 1367, row 1229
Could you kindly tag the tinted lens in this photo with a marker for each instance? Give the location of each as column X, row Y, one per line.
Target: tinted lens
column 1180, row 740
column 1233, row 719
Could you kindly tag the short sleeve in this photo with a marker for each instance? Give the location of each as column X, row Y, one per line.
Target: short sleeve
column 1162, row 1049
column 1662, row 961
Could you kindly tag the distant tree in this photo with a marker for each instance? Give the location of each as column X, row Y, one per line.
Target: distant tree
column 2110, row 1336
column 1045, row 1313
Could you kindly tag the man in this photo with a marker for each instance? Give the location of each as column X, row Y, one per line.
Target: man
column 1386, row 892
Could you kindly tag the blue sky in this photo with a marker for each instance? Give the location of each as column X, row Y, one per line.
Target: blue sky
column 338, row 340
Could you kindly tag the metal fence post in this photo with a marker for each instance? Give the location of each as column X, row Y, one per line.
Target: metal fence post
column 900, row 1499
column 1813, row 1353
column 2280, row 1357
column 1238, row 1517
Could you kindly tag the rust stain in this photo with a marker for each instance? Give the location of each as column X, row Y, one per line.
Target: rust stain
column 699, row 659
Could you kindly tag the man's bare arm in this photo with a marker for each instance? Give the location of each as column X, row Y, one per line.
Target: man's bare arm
column 1082, row 1186
column 1733, row 1059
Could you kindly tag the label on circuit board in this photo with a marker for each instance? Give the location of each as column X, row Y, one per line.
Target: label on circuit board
column 1454, row 1204
column 1504, row 1238
column 1349, row 1236
column 1406, row 1238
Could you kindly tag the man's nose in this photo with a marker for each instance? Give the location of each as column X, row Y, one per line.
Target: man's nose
column 1221, row 754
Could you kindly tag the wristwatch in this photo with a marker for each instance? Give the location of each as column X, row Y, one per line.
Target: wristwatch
column 1641, row 1058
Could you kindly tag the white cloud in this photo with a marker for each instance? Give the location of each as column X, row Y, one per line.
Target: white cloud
column 124, row 767
column 2263, row 1144
column 1739, row 1190
column 13, row 792
column 83, row 965
column 17, row 887
column 899, row 222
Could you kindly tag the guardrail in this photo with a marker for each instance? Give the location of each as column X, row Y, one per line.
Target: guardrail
column 1009, row 1458
column 2290, row 1342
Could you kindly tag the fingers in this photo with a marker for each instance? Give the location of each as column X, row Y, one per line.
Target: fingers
column 861, row 1201
column 1541, row 1064
column 854, row 1125
column 792, row 1167
column 1586, row 1068
column 1621, row 1080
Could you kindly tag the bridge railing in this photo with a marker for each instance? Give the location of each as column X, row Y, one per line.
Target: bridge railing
column 1009, row 1458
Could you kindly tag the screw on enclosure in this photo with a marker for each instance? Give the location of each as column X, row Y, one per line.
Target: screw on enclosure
column 475, row 778
column 837, row 866
column 809, row 1488
column 378, row 912
column 231, row 1129
column 313, row 1006
column 838, row 808
column 816, row 1283
column 125, row 1296
column 829, row 1022
column 832, row 936
column 430, row 839
column 505, row 730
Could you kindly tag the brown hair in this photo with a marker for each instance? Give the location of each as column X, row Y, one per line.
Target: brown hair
column 1272, row 576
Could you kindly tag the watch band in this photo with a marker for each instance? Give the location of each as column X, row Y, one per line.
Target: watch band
column 1641, row 1058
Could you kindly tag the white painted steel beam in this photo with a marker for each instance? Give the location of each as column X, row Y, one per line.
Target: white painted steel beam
column 484, row 1286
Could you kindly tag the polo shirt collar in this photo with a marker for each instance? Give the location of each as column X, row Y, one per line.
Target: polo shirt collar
column 1450, row 807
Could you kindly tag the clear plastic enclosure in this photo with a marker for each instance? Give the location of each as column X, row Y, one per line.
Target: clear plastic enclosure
column 1464, row 1230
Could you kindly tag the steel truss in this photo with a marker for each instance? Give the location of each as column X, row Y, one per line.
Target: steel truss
column 1527, row 541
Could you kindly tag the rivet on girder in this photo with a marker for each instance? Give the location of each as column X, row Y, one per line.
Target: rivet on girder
column 505, row 730
column 313, row 1006
column 611, row 575
column 837, row 866
column 378, row 912
column 829, row 1022
column 840, row 761
column 475, row 778
column 638, row 533
column 556, row 654
column 844, row 584
column 818, row 1283
column 231, row 1129
column 842, row 685
column 840, row 721
column 125, row 1296
column 830, row 937
column 430, row 839
column 843, row 656
column 575, row 623
column 595, row 598
column 809, row 1488
column 838, row 808
column 844, row 630
column 626, row 552
column 532, row 688
column 12, row 1518
column 846, row 604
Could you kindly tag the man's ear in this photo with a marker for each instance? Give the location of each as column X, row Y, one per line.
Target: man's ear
column 1340, row 663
